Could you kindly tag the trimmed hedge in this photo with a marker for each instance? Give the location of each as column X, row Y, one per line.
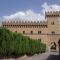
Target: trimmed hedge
column 17, row 44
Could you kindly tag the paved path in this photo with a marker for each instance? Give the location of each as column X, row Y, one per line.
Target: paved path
column 44, row 56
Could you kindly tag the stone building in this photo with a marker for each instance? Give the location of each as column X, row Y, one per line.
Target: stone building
column 47, row 31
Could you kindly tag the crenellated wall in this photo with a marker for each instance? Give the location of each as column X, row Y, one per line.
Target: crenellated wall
column 26, row 26
column 22, row 23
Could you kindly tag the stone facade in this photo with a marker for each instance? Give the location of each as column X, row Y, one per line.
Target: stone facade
column 47, row 31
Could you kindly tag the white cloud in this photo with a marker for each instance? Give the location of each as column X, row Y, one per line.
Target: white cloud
column 53, row 7
column 30, row 15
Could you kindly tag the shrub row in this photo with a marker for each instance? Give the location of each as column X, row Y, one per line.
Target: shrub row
column 17, row 44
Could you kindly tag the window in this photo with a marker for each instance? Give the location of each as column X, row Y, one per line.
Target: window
column 16, row 31
column 52, row 23
column 23, row 32
column 53, row 32
column 31, row 32
column 39, row 40
column 39, row 32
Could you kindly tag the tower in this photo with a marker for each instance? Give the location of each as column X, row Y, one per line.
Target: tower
column 53, row 22
column 53, row 19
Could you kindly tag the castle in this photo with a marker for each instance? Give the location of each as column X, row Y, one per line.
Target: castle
column 47, row 32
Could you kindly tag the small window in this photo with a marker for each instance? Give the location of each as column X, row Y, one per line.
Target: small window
column 23, row 32
column 15, row 31
column 52, row 23
column 39, row 40
column 39, row 32
column 53, row 32
column 31, row 32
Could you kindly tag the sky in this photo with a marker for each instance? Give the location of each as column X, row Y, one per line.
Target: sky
column 31, row 10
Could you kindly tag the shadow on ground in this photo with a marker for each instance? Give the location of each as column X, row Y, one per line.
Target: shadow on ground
column 8, row 57
column 53, row 57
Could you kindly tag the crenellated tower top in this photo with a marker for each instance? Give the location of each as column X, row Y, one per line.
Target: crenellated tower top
column 52, row 13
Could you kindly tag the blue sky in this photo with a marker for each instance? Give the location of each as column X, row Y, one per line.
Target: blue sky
column 27, row 10
column 8, row 7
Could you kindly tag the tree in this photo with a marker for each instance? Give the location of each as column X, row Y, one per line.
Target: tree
column 13, row 43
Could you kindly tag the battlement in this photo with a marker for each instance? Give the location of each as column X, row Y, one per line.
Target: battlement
column 52, row 13
column 24, row 23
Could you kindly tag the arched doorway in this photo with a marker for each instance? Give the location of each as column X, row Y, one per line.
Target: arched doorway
column 59, row 46
column 53, row 46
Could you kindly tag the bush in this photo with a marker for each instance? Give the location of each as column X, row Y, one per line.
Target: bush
column 17, row 44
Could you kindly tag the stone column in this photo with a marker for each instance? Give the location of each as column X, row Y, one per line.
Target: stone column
column 48, row 49
column 57, row 48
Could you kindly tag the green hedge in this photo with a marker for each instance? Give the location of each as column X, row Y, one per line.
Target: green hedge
column 17, row 44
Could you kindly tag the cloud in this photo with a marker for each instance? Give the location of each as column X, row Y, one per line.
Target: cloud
column 53, row 7
column 30, row 15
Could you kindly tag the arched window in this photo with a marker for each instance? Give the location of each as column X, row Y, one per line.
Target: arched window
column 31, row 32
column 23, row 32
column 39, row 32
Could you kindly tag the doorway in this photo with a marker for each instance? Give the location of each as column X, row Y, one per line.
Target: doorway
column 53, row 46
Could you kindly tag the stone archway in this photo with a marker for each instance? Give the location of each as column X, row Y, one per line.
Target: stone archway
column 59, row 46
column 53, row 46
